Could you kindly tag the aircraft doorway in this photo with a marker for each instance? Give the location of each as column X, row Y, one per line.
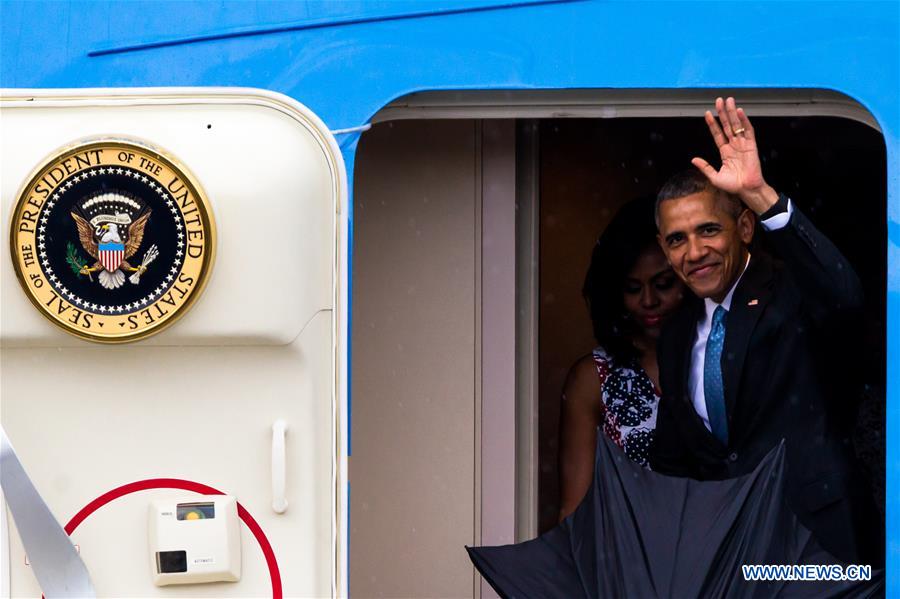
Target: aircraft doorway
column 473, row 229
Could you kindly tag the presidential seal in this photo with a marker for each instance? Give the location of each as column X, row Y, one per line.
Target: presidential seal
column 112, row 240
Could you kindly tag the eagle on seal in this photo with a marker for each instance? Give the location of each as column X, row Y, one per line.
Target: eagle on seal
column 104, row 242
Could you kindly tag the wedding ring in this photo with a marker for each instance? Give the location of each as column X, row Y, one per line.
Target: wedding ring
column 739, row 131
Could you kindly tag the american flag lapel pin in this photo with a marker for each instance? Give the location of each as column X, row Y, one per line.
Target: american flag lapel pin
column 753, row 302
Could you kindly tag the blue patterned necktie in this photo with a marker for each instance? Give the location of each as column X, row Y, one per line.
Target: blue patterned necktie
column 713, row 388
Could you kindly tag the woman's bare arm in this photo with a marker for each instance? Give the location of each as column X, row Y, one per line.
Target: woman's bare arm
column 579, row 418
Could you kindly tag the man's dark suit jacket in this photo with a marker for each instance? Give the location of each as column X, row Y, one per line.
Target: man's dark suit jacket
column 785, row 364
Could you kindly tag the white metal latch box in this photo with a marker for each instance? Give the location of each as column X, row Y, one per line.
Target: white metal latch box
column 194, row 540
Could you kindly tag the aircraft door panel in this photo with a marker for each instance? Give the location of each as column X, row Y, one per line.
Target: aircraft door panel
column 197, row 401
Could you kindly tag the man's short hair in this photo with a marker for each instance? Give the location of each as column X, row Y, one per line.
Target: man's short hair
column 691, row 181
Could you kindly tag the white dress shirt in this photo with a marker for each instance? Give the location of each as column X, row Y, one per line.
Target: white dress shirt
column 698, row 352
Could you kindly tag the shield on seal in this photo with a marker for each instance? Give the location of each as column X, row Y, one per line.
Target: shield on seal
column 111, row 255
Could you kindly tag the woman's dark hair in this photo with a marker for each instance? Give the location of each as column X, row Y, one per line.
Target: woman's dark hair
column 628, row 234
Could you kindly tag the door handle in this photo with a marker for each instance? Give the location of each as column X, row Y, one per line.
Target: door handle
column 279, row 467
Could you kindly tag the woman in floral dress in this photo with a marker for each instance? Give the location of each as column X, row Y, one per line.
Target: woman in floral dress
column 631, row 291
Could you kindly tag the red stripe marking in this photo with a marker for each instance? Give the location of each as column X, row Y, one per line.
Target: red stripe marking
column 185, row 485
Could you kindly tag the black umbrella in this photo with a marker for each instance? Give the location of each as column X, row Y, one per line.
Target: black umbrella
column 638, row 533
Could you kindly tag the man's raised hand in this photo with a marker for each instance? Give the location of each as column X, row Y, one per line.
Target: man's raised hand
column 741, row 172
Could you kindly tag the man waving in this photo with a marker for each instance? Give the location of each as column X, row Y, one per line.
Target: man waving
column 746, row 365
